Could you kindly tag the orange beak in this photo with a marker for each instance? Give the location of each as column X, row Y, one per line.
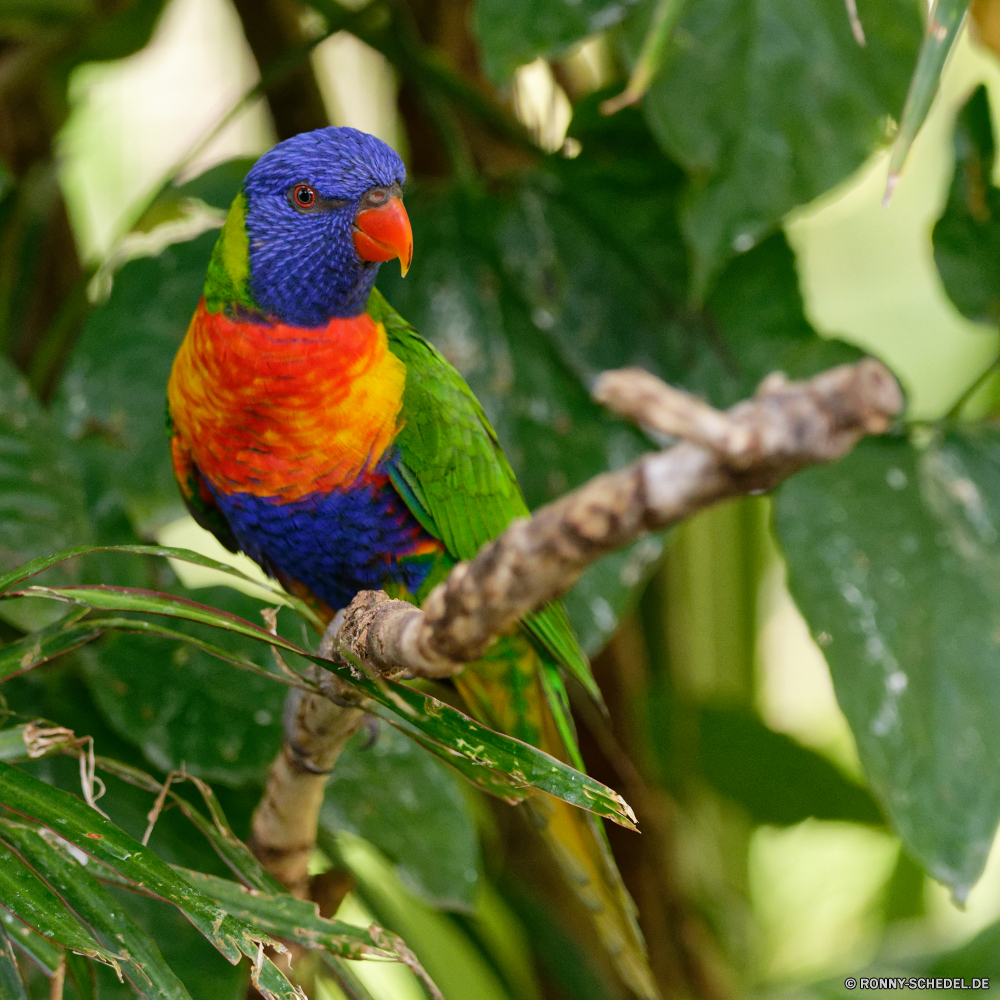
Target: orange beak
column 384, row 233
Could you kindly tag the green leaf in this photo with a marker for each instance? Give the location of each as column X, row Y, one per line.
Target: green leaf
column 741, row 758
column 216, row 830
column 27, row 897
column 512, row 32
column 979, row 957
column 400, row 799
column 42, row 504
column 297, row 921
column 97, row 836
column 768, row 105
column 126, row 32
column 23, row 18
column 219, row 185
column 181, row 705
column 967, row 236
column 39, row 565
column 82, row 975
column 138, row 954
column 480, row 753
column 113, row 395
column 39, row 949
column 47, row 643
column 894, row 560
column 453, row 961
column 945, row 19
column 11, row 984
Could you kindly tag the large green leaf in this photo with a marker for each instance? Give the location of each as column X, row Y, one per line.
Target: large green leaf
column 11, row 984
column 135, row 950
column 27, row 897
column 512, row 32
column 297, row 921
column 499, row 763
column 46, row 644
column 90, row 832
column 776, row 779
column 29, row 943
column 768, row 105
column 411, row 807
column 58, row 695
column 967, row 236
column 42, row 506
column 113, row 394
column 894, row 559
column 182, row 705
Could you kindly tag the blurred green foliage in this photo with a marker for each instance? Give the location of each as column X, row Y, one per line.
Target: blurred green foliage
column 653, row 238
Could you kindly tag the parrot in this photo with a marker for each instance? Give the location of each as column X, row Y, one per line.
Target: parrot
column 313, row 429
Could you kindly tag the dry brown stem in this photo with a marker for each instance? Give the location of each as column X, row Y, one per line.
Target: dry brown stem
column 285, row 822
column 747, row 449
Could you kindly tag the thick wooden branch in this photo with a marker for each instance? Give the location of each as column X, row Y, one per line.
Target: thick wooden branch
column 750, row 448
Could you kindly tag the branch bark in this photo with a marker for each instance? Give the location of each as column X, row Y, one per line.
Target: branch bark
column 750, row 448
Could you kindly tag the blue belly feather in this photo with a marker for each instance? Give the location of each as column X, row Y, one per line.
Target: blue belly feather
column 334, row 543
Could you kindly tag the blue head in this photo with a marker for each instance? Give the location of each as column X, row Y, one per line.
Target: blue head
column 322, row 210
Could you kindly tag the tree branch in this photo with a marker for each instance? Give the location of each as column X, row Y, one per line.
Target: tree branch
column 750, row 448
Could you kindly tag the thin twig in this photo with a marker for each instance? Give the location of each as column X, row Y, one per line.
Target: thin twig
column 856, row 27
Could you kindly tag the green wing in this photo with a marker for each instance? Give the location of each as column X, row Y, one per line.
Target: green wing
column 454, row 476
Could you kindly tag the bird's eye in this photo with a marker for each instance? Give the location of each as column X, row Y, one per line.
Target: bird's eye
column 304, row 196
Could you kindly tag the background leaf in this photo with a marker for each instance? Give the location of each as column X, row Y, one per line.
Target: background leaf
column 967, row 236
column 412, row 808
column 768, row 105
column 113, row 395
column 181, row 705
column 894, row 559
column 512, row 32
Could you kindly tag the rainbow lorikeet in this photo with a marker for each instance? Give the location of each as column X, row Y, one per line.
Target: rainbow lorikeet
column 315, row 430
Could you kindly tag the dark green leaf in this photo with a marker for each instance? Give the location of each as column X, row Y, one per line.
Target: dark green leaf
column 113, row 395
column 41, row 498
column 29, row 899
column 967, row 236
column 978, row 958
column 216, row 830
column 512, row 32
column 297, row 921
column 768, row 105
column 775, row 779
column 457, row 739
column 11, row 984
column 126, row 32
column 29, row 16
column 44, row 645
column 533, row 293
column 138, row 954
column 82, row 974
column 39, row 949
column 942, row 31
column 409, row 806
column 894, row 559
column 182, row 705
column 219, row 185
column 91, row 833
column 204, row 972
